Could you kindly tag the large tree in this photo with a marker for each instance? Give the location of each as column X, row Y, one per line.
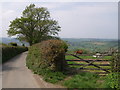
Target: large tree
column 35, row 25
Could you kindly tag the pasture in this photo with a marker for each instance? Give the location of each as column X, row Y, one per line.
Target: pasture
column 86, row 63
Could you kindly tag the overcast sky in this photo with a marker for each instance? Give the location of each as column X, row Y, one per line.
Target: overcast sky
column 77, row 19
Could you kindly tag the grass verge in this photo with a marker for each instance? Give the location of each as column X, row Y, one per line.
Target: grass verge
column 83, row 80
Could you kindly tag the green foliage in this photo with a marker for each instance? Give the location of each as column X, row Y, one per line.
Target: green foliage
column 48, row 54
column 53, row 77
column 115, row 63
column 48, row 59
column 50, row 75
column 13, row 44
column 35, row 25
column 112, row 80
column 82, row 80
column 3, row 44
column 10, row 51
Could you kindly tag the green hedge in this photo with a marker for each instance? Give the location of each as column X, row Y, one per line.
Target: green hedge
column 48, row 54
column 10, row 51
column 48, row 59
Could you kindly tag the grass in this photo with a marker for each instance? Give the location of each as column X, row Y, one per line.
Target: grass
column 84, row 63
column 49, row 75
column 83, row 80
column 54, row 77
column 80, row 80
column 86, row 57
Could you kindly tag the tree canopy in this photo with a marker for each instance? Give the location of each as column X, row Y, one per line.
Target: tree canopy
column 35, row 25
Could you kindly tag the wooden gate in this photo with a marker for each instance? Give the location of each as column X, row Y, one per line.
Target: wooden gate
column 90, row 62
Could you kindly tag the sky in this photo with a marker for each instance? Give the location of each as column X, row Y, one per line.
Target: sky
column 77, row 19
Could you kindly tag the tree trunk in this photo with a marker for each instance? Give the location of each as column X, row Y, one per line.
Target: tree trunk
column 30, row 42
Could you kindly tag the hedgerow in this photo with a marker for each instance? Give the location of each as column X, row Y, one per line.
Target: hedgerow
column 10, row 51
column 48, row 54
column 13, row 44
column 48, row 59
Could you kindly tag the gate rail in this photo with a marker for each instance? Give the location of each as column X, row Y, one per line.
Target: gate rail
column 90, row 63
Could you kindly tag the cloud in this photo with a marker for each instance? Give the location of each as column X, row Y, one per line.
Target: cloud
column 89, row 21
column 12, row 10
column 60, row 1
column 0, row 20
column 76, row 19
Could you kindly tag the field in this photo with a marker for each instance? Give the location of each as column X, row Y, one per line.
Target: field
column 88, row 57
column 91, row 68
column 92, row 45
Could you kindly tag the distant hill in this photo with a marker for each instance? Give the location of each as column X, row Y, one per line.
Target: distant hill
column 87, row 39
column 8, row 40
column 91, row 44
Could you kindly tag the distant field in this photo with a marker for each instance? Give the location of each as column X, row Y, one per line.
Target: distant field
column 99, row 43
column 92, row 45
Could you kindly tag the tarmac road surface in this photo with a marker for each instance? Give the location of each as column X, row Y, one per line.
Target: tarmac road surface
column 15, row 74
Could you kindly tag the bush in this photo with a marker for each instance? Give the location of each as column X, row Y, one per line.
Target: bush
column 48, row 59
column 115, row 63
column 48, row 54
column 10, row 51
column 112, row 80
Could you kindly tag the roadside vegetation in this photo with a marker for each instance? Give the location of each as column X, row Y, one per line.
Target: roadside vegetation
column 11, row 50
column 46, row 66
column 48, row 60
column 84, row 80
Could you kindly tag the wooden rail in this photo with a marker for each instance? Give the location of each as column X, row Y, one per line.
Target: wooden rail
column 94, row 68
column 87, row 54
column 92, row 64
column 87, row 60
column 89, row 63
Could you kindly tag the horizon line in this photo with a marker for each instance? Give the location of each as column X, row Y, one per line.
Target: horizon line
column 73, row 38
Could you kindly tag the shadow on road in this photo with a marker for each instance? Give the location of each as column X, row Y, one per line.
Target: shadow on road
column 8, row 65
column 8, row 68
